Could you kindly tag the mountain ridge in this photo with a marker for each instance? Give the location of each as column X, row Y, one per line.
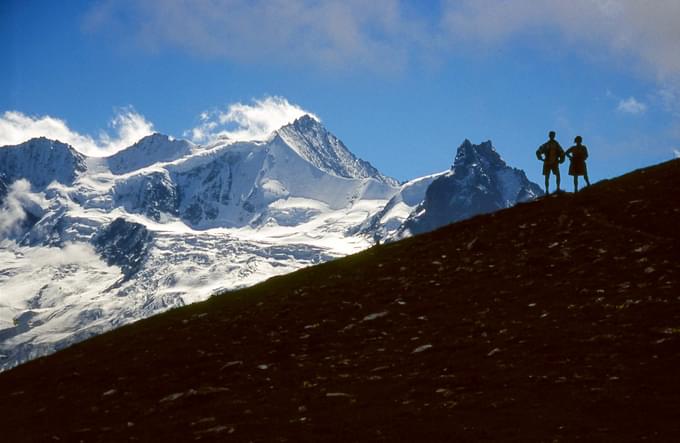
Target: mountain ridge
column 148, row 151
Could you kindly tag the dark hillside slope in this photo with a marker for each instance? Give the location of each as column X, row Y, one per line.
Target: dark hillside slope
column 557, row 320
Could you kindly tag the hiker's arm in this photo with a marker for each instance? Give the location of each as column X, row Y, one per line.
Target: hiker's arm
column 539, row 153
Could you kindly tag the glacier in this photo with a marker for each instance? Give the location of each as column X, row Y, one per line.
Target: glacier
column 91, row 244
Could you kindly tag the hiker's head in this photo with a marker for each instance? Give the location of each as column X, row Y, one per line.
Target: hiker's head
column 551, row 134
column 578, row 140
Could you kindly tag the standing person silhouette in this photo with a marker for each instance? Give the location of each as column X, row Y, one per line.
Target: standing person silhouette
column 551, row 154
column 577, row 161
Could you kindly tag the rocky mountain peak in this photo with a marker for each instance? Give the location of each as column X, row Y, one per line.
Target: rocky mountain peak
column 479, row 182
column 483, row 155
column 313, row 142
column 307, row 121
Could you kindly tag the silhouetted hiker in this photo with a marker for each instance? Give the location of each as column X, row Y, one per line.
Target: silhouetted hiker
column 551, row 154
column 577, row 157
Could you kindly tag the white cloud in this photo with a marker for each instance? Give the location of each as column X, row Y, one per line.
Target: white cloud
column 631, row 106
column 603, row 27
column 16, row 127
column 128, row 127
column 15, row 205
column 676, row 153
column 240, row 121
column 70, row 253
column 668, row 95
column 33, row 258
column 387, row 34
column 327, row 33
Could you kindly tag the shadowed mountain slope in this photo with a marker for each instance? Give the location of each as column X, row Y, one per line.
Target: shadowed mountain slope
column 555, row 320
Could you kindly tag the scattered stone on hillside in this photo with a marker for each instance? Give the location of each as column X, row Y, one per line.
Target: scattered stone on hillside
column 421, row 348
column 539, row 347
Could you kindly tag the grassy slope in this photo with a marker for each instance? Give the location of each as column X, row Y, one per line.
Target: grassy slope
column 554, row 320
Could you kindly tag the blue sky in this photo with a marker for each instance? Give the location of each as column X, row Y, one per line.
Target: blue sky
column 402, row 83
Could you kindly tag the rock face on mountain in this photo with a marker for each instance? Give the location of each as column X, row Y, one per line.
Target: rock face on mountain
column 153, row 194
column 124, row 244
column 4, row 187
column 479, row 182
column 164, row 223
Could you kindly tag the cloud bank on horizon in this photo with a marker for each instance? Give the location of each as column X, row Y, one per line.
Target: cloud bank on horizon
column 389, row 34
column 238, row 122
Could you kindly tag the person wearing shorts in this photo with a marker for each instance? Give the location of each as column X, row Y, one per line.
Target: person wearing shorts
column 551, row 154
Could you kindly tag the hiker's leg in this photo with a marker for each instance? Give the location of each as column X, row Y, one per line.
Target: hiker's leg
column 576, row 183
column 557, row 176
column 547, row 183
column 586, row 177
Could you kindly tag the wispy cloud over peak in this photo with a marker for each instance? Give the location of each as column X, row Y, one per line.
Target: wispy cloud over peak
column 128, row 127
column 240, row 121
column 237, row 122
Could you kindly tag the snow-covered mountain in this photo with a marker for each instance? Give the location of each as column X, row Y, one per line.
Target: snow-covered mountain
column 41, row 161
column 89, row 244
column 479, row 182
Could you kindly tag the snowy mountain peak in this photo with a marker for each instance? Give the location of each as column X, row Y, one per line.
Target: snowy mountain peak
column 41, row 161
column 306, row 121
column 54, row 147
column 151, row 149
column 313, row 142
column 155, row 138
